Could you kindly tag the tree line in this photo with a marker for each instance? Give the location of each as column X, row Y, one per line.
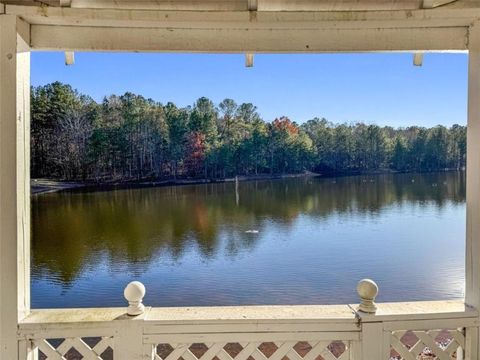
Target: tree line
column 129, row 137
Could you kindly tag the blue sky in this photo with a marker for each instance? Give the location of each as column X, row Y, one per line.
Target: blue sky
column 383, row 89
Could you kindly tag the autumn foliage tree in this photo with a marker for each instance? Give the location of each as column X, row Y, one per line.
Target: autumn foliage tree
column 195, row 158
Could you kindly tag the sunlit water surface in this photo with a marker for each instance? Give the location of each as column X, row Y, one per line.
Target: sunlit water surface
column 295, row 241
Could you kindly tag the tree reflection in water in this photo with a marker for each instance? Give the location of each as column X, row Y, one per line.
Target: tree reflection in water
column 73, row 232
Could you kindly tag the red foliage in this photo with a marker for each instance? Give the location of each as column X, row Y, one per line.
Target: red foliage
column 285, row 124
column 195, row 153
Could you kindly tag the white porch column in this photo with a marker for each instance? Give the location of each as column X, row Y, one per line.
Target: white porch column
column 472, row 265
column 14, row 181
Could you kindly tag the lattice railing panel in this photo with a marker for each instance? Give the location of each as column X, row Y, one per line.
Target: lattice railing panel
column 284, row 350
column 427, row 345
column 91, row 348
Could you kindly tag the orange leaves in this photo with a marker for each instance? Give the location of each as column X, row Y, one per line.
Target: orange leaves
column 285, row 124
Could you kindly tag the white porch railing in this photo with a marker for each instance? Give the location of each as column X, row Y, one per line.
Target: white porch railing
column 409, row 331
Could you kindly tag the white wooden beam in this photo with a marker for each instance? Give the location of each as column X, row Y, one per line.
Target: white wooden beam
column 264, row 5
column 14, row 181
column 292, row 20
column 249, row 60
column 418, row 58
column 430, row 4
column 236, row 31
column 214, row 5
column 472, row 263
column 69, row 58
column 73, row 38
column 37, row 3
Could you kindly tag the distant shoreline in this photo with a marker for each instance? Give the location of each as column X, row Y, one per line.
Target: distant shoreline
column 43, row 186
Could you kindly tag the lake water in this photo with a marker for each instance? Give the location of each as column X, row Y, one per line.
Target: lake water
column 293, row 241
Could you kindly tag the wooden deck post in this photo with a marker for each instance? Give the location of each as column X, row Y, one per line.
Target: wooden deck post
column 472, row 264
column 128, row 338
column 372, row 346
column 14, row 181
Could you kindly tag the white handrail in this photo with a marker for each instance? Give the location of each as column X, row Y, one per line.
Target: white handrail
column 367, row 331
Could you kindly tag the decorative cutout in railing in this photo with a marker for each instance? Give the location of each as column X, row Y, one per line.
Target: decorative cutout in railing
column 91, row 348
column 427, row 345
column 286, row 350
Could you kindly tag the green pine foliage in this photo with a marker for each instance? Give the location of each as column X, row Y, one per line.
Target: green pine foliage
column 129, row 137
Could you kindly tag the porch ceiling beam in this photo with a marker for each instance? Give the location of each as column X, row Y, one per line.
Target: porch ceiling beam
column 245, row 40
column 430, row 4
column 213, row 5
column 36, row 3
column 355, row 5
column 292, row 20
column 263, row 5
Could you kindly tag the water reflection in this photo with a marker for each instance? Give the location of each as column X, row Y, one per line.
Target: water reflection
column 174, row 237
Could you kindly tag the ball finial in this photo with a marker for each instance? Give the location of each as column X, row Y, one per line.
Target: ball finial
column 367, row 290
column 134, row 293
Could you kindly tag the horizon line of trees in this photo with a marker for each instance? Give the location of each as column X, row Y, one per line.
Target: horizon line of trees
column 129, row 137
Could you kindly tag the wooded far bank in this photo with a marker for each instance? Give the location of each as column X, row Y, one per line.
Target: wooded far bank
column 129, row 137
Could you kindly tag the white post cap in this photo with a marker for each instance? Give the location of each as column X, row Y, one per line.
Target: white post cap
column 367, row 290
column 134, row 293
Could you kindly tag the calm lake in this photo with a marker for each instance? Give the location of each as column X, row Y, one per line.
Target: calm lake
column 293, row 241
